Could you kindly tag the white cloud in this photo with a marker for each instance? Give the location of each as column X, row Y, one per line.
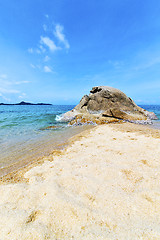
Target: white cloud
column 9, row 87
column 32, row 65
column 45, row 27
column 3, row 76
column 49, row 43
column 116, row 64
column 21, row 82
column 7, row 83
column 53, row 40
column 46, row 59
column 42, row 48
column 3, row 90
column 150, row 63
column 30, row 50
column 5, row 98
column 47, row 16
column 23, row 95
column 60, row 35
column 47, row 69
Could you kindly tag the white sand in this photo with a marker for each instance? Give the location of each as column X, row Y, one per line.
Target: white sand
column 106, row 185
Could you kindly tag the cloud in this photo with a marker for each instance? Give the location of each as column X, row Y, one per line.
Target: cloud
column 30, row 50
column 32, row 65
column 5, row 98
column 60, row 35
column 45, row 27
column 23, row 95
column 9, row 87
column 51, row 40
column 6, row 83
column 116, row 64
column 47, row 69
column 3, row 76
column 38, row 50
column 3, row 90
column 146, row 65
column 46, row 59
column 49, row 43
column 42, row 48
column 20, row 82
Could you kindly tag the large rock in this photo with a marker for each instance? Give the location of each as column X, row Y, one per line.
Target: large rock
column 106, row 104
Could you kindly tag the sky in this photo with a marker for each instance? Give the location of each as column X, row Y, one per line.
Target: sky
column 55, row 51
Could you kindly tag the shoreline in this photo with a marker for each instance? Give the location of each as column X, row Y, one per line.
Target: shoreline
column 16, row 171
column 13, row 173
column 37, row 154
column 103, row 185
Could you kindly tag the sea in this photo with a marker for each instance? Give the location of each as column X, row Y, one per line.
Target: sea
column 26, row 133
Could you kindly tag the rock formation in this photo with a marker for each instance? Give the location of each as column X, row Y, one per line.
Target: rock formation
column 104, row 105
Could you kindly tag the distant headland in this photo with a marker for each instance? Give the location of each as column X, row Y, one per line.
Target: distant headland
column 25, row 103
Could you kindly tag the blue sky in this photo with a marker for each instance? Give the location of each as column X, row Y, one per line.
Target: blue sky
column 56, row 50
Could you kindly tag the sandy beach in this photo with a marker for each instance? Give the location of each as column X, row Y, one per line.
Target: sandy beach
column 104, row 185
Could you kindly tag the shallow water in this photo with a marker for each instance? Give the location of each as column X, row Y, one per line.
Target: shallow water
column 23, row 133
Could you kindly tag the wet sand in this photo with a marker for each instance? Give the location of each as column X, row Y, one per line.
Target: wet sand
column 104, row 185
column 17, row 155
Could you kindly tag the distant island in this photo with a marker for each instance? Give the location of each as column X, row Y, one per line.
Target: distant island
column 25, row 103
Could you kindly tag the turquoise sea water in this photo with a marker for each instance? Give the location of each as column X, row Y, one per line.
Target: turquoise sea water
column 19, row 123
column 26, row 122
column 23, row 135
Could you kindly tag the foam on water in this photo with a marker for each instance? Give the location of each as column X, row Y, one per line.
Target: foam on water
column 58, row 118
column 156, row 110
